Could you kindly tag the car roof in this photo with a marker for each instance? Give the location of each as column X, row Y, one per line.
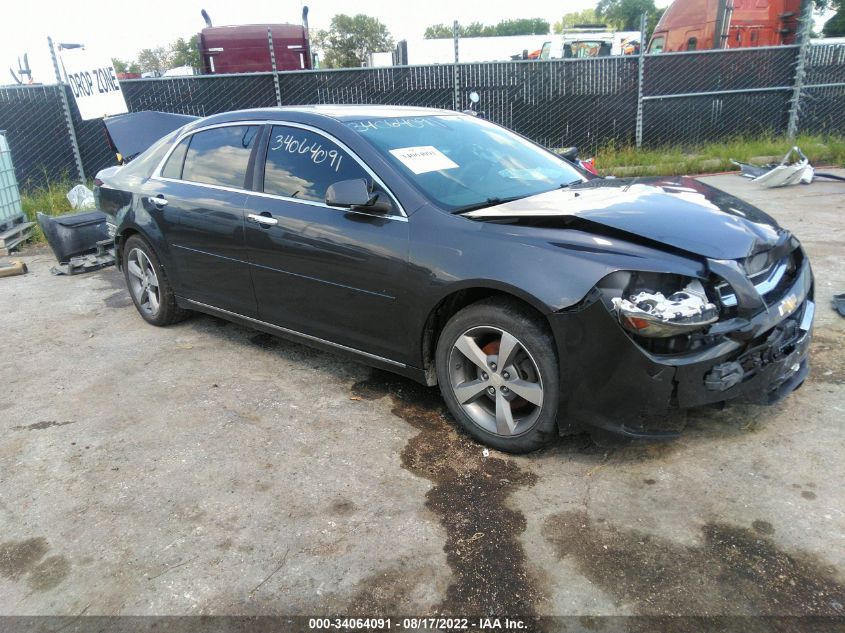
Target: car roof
column 334, row 112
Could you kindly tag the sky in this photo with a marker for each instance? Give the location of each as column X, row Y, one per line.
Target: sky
column 121, row 29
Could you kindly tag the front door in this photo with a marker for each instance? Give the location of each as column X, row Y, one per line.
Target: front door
column 330, row 273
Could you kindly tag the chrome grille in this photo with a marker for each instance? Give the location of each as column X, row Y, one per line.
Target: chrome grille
column 768, row 282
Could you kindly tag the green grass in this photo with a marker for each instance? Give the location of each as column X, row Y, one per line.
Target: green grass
column 714, row 157
column 51, row 199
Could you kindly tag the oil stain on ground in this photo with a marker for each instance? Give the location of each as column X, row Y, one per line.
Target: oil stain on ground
column 469, row 496
column 40, row 426
column 734, row 570
column 19, row 559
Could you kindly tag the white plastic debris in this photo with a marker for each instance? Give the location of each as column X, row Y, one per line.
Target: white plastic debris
column 780, row 175
column 81, row 198
column 485, row 453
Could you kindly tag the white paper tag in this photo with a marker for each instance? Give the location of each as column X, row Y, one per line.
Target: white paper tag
column 423, row 159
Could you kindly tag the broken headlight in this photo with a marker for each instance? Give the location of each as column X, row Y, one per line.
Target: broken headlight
column 660, row 306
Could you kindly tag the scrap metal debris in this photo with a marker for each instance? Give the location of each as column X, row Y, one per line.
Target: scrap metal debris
column 787, row 172
column 839, row 303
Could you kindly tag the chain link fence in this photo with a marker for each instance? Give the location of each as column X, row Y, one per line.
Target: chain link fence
column 679, row 99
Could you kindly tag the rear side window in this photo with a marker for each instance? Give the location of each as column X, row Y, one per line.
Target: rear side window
column 302, row 164
column 220, row 156
column 173, row 166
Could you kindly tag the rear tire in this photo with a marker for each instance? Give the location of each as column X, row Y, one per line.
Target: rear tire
column 148, row 284
column 512, row 408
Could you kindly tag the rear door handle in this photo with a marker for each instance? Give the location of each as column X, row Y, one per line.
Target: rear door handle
column 158, row 201
column 266, row 220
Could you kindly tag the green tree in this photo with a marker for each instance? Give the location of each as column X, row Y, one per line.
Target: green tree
column 185, row 53
column 121, row 66
column 587, row 16
column 835, row 26
column 438, row 31
column 350, row 40
column 523, row 26
column 624, row 15
column 154, row 59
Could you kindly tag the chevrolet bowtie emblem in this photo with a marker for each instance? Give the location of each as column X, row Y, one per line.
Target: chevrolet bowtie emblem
column 788, row 305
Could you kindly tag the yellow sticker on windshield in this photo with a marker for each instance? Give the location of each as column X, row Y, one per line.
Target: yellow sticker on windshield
column 423, row 159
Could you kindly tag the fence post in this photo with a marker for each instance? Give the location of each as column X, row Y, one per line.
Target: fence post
column 273, row 64
column 640, row 73
column 456, row 97
column 77, row 157
column 805, row 27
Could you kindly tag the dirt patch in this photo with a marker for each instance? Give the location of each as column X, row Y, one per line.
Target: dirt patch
column 40, row 426
column 470, row 498
column 48, row 573
column 19, row 557
column 827, row 362
column 734, row 570
column 383, row 594
column 342, row 507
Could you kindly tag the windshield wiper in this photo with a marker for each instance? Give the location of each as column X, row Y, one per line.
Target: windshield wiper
column 569, row 184
column 490, row 202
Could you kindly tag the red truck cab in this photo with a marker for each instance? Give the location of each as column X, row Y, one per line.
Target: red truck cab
column 708, row 24
column 246, row 48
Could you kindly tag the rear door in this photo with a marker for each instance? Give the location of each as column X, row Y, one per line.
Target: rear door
column 203, row 190
column 330, row 273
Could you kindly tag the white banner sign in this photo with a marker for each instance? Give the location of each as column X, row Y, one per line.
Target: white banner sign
column 93, row 83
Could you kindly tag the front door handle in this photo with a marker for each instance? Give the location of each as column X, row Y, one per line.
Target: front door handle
column 266, row 220
column 158, row 201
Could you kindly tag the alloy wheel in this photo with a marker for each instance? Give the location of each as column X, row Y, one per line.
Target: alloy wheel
column 495, row 380
column 143, row 282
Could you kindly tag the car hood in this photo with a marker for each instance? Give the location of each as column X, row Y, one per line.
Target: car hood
column 679, row 212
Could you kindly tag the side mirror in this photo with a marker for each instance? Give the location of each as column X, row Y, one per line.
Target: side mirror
column 355, row 194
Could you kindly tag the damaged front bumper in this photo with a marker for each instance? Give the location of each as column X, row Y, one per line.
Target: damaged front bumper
column 611, row 385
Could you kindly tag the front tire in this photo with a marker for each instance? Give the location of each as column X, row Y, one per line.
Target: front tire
column 499, row 375
column 148, row 285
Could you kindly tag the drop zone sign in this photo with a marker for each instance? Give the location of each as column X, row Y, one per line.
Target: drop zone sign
column 93, row 83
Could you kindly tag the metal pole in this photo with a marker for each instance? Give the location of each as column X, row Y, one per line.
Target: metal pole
column 74, row 143
column 273, row 64
column 640, row 74
column 456, row 97
column 804, row 31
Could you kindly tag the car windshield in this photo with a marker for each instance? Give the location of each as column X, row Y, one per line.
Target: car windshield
column 464, row 163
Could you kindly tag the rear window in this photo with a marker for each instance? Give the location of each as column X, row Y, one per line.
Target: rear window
column 220, row 156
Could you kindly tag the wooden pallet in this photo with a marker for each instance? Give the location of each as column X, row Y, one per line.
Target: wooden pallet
column 15, row 236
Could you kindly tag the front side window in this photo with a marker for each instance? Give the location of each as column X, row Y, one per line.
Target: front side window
column 302, row 164
column 220, row 156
